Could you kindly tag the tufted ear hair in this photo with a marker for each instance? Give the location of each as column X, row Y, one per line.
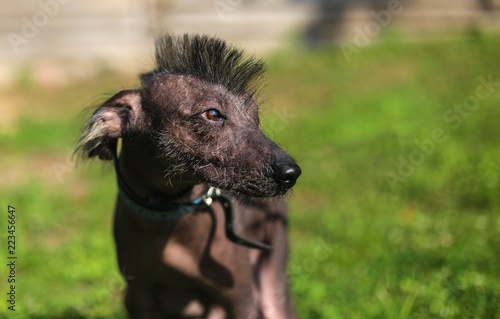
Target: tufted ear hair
column 110, row 121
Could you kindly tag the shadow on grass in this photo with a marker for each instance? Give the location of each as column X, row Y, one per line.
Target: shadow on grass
column 75, row 314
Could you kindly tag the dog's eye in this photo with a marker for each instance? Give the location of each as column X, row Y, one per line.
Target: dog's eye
column 212, row 115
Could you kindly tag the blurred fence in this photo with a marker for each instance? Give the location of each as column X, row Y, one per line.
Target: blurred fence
column 120, row 33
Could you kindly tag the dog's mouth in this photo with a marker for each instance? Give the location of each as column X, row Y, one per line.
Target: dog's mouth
column 254, row 195
column 248, row 186
column 254, row 192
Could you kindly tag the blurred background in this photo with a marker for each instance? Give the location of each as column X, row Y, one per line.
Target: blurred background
column 391, row 108
column 67, row 36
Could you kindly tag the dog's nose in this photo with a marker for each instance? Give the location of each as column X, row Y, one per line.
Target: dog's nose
column 287, row 173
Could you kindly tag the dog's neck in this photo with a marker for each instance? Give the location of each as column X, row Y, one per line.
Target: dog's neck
column 144, row 174
column 147, row 178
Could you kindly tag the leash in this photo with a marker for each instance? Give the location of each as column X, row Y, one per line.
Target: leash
column 157, row 207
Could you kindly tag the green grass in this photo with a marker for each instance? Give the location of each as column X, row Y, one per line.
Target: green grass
column 427, row 246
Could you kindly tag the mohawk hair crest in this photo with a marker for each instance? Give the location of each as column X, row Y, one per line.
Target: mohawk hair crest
column 209, row 59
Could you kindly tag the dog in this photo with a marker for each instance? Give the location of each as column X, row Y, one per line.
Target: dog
column 200, row 216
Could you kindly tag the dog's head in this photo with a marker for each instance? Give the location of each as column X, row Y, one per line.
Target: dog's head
column 198, row 110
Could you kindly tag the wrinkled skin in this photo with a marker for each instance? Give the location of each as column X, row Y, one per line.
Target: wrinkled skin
column 174, row 144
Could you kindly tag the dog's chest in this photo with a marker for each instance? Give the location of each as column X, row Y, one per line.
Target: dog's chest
column 194, row 246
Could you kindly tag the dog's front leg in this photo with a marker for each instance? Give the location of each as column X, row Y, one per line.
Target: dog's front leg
column 274, row 288
column 139, row 305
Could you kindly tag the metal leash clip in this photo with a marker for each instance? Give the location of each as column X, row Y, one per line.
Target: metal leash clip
column 208, row 197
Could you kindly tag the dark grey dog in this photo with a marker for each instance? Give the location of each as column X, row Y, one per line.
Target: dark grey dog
column 200, row 219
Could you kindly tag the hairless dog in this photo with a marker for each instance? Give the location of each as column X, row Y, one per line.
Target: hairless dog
column 200, row 217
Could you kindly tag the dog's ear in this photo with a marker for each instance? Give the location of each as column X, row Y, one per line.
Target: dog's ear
column 110, row 121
